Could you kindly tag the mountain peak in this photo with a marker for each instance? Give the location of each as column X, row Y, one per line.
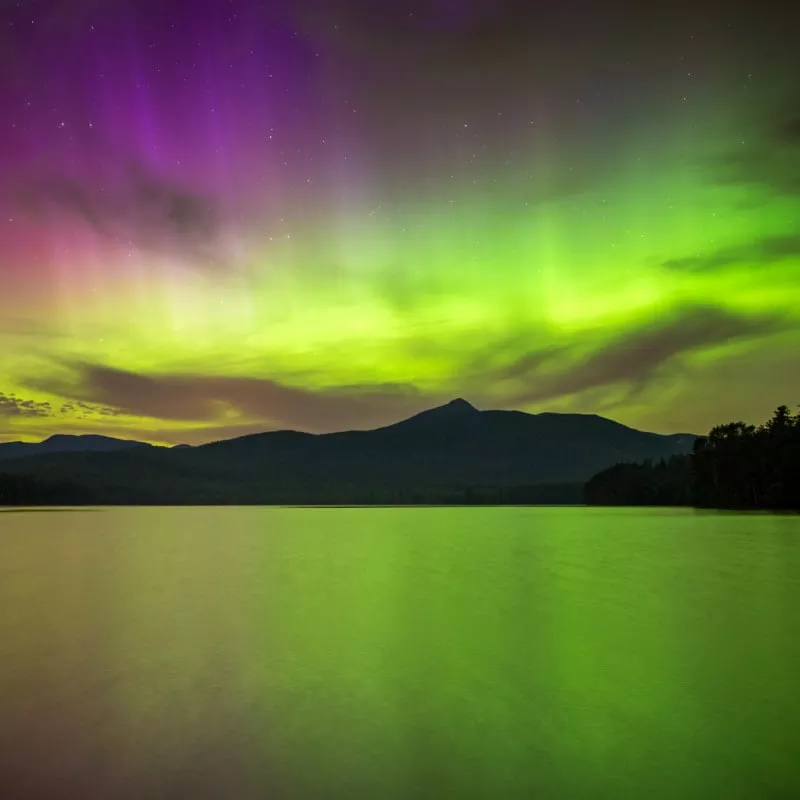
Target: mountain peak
column 458, row 408
column 459, row 404
column 456, row 411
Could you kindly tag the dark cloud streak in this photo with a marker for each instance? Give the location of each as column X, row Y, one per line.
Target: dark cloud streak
column 764, row 251
column 634, row 358
column 770, row 161
column 143, row 209
column 205, row 398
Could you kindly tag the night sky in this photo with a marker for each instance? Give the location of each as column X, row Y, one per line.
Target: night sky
column 221, row 217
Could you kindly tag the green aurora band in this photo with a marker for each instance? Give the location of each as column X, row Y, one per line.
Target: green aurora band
column 653, row 278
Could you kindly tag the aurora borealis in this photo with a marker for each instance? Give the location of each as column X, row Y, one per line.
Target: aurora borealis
column 220, row 217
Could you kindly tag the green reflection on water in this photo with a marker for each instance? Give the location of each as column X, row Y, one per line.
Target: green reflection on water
column 399, row 653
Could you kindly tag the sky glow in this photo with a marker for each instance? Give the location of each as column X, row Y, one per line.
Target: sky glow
column 223, row 217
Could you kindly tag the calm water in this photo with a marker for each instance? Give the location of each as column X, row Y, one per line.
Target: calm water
column 399, row 653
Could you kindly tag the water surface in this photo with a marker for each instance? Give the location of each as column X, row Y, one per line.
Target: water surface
column 399, row 653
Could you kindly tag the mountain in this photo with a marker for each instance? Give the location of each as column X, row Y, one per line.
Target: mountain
column 446, row 454
column 61, row 443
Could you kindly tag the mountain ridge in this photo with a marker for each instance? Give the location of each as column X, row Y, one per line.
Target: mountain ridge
column 458, row 403
column 439, row 453
column 65, row 443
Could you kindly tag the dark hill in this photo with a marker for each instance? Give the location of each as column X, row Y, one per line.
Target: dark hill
column 436, row 456
column 61, row 443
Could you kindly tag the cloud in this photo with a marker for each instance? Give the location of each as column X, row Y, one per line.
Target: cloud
column 88, row 410
column 206, row 398
column 774, row 171
column 769, row 161
column 764, row 251
column 789, row 132
column 139, row 208
column 13, row 406
column 634, row 358
column 616, row 370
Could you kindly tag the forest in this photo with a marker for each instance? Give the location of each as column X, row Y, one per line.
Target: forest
column 736, row 466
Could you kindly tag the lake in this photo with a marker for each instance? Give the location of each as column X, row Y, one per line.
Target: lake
column 399, row 653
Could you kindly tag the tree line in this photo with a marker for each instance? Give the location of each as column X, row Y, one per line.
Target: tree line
column 737, row 466
column 26, row 490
